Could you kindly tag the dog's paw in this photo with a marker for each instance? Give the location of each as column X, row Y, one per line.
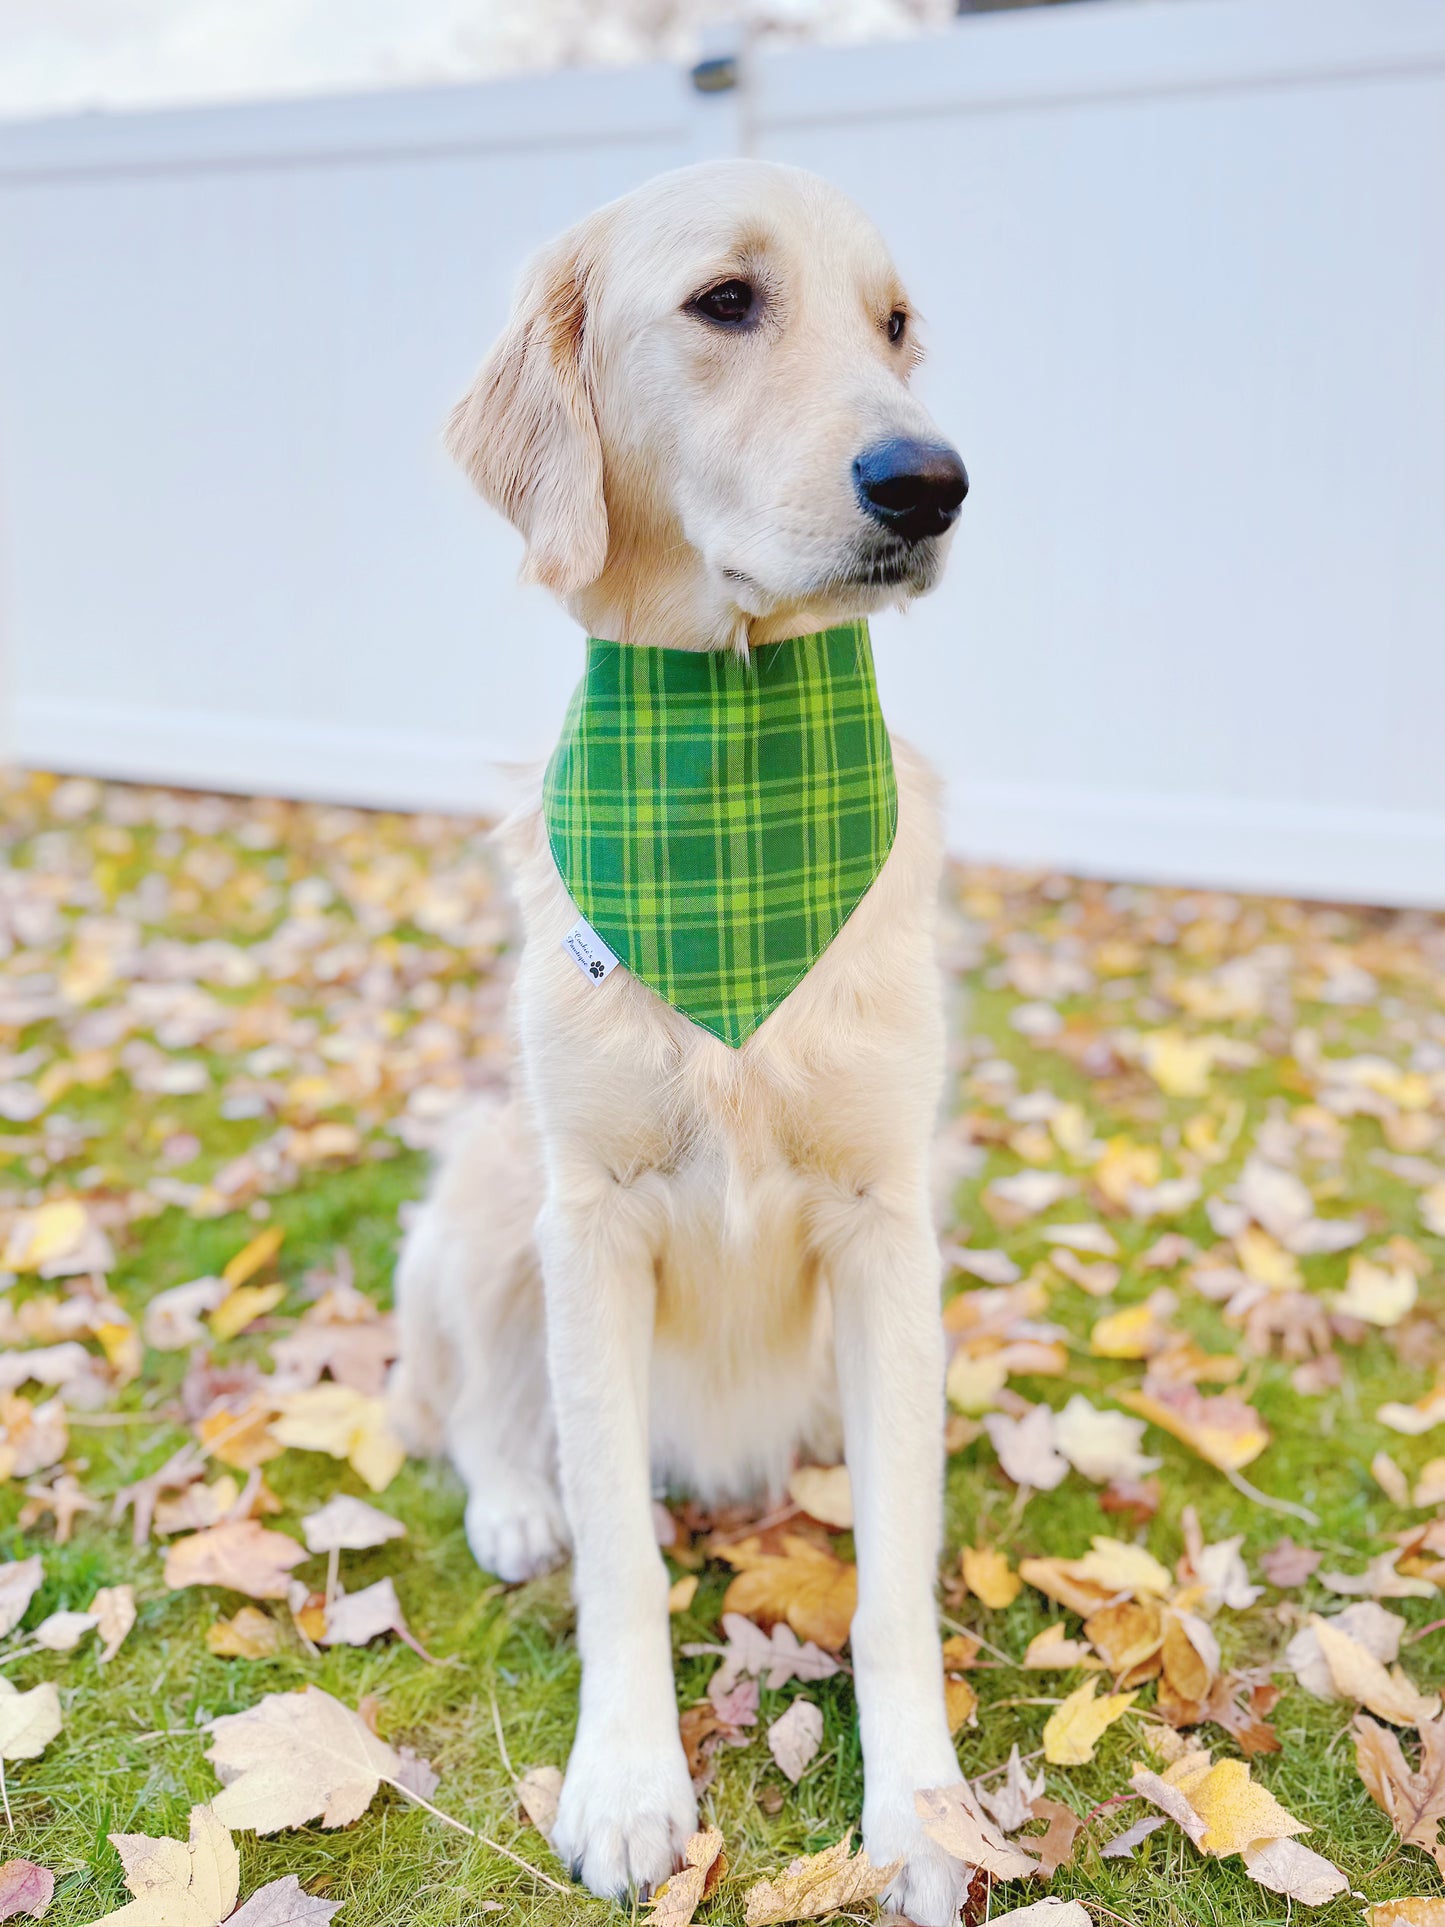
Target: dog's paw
column 516, row 1527
column 625, row 1816
column 930, row 1886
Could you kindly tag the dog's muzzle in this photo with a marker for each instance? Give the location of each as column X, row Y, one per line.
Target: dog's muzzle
column 912, row 489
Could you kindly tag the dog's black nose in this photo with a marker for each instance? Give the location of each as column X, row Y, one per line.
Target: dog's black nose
column 913, row 488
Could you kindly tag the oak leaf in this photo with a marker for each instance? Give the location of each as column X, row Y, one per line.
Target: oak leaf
column 1413, row 1798
column 25, row 1889
column 703, row 1865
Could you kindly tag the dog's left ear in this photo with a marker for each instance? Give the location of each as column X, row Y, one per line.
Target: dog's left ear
column 526, row 431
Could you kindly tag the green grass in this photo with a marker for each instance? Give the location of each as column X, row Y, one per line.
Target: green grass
column 131, row 1757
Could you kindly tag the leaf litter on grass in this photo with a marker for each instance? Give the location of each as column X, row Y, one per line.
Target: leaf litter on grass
column 1194, row 1173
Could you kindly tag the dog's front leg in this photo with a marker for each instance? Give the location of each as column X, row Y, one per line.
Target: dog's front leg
column 882, row 1257
column 627, row 1803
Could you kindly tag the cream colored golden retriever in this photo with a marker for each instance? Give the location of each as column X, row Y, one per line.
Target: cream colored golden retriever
column 667, row 1262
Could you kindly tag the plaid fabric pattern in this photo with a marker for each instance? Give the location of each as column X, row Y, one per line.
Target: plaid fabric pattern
column 717, row 820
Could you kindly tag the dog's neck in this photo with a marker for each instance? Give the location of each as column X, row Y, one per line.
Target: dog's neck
column 657, row 591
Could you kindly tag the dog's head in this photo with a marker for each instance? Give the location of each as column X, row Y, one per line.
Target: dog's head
column 699, row 414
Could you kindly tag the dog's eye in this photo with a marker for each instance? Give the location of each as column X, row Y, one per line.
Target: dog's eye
column 728, row 302
column 897, row 322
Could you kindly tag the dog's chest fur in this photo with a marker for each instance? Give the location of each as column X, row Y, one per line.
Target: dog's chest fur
column 734, row 1159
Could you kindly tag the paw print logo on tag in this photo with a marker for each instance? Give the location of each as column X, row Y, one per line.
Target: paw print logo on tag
column 597, row 968
column 589, row 952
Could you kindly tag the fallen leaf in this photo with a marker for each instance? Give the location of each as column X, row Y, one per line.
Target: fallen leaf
column 28, row 1722
column 1285, row 1867
column 1234, row 1810
column 346, row 1423
column 1025, row 1448
column 356, row 1618
column 283, row 1903
column 1101, row 1445
column 824, row 1493
column 816, row 1884
column 1056, row 1848
column 62, row 1632
column 1127, row 1635
column 1287, row 1565
column 25, row 1889
column 1427, row 1912
column 954, row 1820
column 1073, row 1729
column 1051, row 1651
column 1369, row 1625
column 239, row 1554
column 1051, row 1911
column 1010, row 1805
column 242, row 1306
column 1119, row 1567
column 1390, row 1479
column 774, row 1657
column 113, row 1613
column 806, row 1585
column 1123, row 1845
column 172, row 1320
column 20, row 1580
column 1377, row 1294
column 989, row 1577
column 255, row 1256
column 251, row 1634
column 1222, row 1429
column 1379, row 1580
column 295, row 1757
column 238, row 1432
column 540, row 1792
column 960, row 1702
column 1356, row 1674
column 345, row 1524
column 682, row 1592
column 703, row 1865
column 794, row 1737
column 1413, row 1798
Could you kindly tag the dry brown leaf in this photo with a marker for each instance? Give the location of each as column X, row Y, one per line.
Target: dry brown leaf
column 817, row 1884
column 295, row 1757
column 1426, row 1912
column 1051, row 1651
column 250, row 1634
column 810, row 1588
column 1285, row 1867
column 774, row 1657
column 1056, row 1848
column 953, row 1818
column 239, row 1554
column 1011, row 1804
column 238, row 1432
column 193, row 1883
column 1413, row 1798
column 113, row 1612
column 989, row 1576
column 703, row 1865
column 540, row 1792
column 1356, row 1674
column 1127, row 1636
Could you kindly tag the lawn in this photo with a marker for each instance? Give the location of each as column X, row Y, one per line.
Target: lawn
column 220, row 1016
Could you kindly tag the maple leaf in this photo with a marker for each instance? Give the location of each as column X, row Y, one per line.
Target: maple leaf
column 1227, row 1809
column 195, row 1883
column 1222, row 1429
column 1051, row 1651
column 1287, row 1565
column 1048, row 1912
column 1426, row 1912
column 1026, row 1449
column 540, row 1792
column 816, row 1884
column 25, row 1889
column 794, row 1737
column 239, row 1554
column 356, row 1618
column 704, row 1864
column 1011, row 1805
column 295, row 1757
column 1413, row 1798
column 1356, row 1674
column 953, row 1818
column 1286, row 1867
column 1103, row 1446
column 809, row 1587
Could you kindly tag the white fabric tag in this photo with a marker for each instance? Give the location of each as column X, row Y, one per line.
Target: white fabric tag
column 589, row 952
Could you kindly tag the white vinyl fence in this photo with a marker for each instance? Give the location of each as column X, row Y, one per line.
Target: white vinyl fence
column 1182, row 268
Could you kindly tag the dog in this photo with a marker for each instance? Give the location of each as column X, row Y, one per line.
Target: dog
column 667, row 1262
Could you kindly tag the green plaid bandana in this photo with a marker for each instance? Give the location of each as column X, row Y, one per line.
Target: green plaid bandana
column 717, row 820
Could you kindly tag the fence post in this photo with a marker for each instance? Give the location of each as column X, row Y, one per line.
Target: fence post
column 719, row 79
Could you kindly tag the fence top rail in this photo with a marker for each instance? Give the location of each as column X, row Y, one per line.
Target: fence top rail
column 569, row 108
column 984, row 62
column 1106, row 51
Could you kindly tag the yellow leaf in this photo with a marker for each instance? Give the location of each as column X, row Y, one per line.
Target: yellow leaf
column 973, row 1383
column 1377, row 1294
column 1072, row 1730
column 1234, row 1808
column 1124, row 1165
column 50, row 1231
column 1266, row 1261
column 817, row 1884
column 806, row 1585
column 682, row 1592
column 1426, row 1912
column 191, row 1885
column 1179, row 1065
column 241, row 1436
column 825, row 1493
column 251, row 1634
column 960, row 1702
column 122, row 1347
column 243, row 1306
column 989, row 1576
column 1223, row 1430
column 1358, row 1675
column 346, row 1423
column 1132, row 1333
column 253, row 1257
column 1119, row 1567
column 1051, row 1651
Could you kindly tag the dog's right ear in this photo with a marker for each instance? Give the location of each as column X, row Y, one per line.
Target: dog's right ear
column 526, row 431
